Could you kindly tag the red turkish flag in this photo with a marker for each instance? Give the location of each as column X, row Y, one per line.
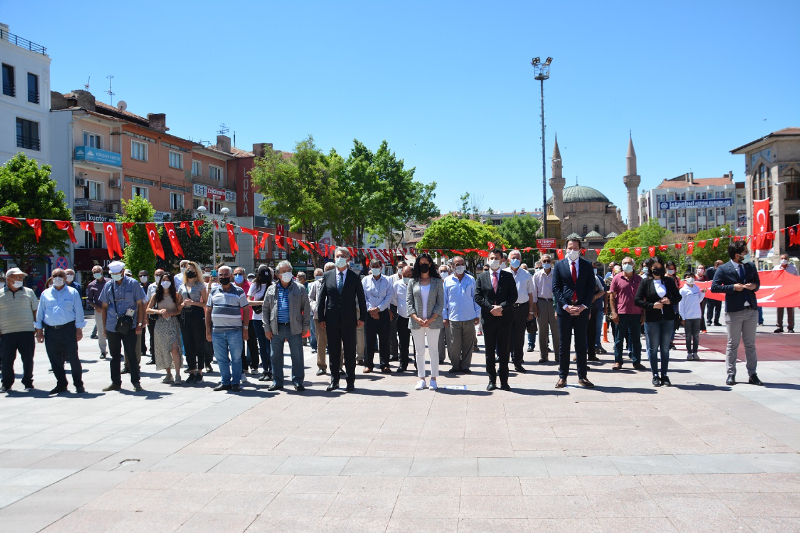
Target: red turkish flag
column 173, row 239
column 289, row 244
column 11, row 220
column 626, row 250
column 560, row 253
column 638, row 251
column 36, row 224
column 185, row 225
column 112, row 239
column 89, row 226
column 652, row 250
column 66, row 225
column 263, row 243
column 716, row 242
column 125, row 227
column 701, row 244
column 232, row 238
column 612, row 250
column 155, row 242
column 663, row 247
column 791, row 236
column 197, row 224
column 690, row 248
column 253, row 233
column 763, row 240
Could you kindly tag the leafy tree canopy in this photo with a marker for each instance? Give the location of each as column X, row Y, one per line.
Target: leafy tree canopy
column 138, row 255
column 520, row 232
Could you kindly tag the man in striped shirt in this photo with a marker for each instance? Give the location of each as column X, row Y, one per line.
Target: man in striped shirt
column 224, row 311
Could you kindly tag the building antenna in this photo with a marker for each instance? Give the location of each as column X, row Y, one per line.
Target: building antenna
column 223, row 129
column 109, row 92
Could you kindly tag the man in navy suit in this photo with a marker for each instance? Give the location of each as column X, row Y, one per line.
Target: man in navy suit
column 738, row 279
column 341, row 302
column 495, row 294
column 574, row 286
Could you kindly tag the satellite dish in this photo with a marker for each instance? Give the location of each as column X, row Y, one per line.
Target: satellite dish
column 122, row 105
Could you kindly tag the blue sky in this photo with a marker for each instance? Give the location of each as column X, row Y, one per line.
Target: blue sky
column 448, row 84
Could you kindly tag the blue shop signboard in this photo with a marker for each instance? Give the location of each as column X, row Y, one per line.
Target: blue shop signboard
column 95, row 155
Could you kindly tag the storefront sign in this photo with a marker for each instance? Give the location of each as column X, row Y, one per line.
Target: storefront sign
column 696, row 204
column 87, row 153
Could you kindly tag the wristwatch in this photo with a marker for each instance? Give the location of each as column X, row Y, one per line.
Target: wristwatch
column 139, row 324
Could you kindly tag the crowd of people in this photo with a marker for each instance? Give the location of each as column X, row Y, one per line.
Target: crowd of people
column 419, row 315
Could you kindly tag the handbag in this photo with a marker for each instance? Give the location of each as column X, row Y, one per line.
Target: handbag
column 124, row 322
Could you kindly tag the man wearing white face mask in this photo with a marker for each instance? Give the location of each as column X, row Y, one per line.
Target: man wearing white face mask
column 521, row 310
column 544, row 310
column 93, row 291
column 18, row 306
column 574, row 287
column 400, row 289
column 461, row 314
column 627, row 316
column 789, row 268
column 378, row 293
column 322, row 335
column 444, row 336
column 286, row 318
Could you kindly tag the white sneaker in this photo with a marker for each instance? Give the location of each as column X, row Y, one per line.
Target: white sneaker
column 421, row 385
column 689, row 357
column 244, row 378
column 433, row 385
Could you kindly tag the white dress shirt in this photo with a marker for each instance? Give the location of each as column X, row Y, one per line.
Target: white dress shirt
column 524, row 283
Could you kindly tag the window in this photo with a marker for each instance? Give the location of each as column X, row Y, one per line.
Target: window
column 175, row 160
column 138, row 151
column 585, row 230
column 215, row 173
column 90, row 242
column 175, row 201
column 28, row 134
column 92, row 140
column 597, row 228
column 8, row 80
column 196, row 204
column 763, row 182
column 33, row 88
column 95, row 189
column 139, row 191
column 197, row 168
column 792, row 179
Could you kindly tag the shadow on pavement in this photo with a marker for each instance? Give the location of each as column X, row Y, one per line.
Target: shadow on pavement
column 702, row 387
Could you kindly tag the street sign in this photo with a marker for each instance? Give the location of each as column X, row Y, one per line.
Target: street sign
column 544, row 244
column 62, row 263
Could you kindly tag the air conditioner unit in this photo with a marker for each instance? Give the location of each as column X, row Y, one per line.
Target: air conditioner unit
column 80, row 182
column 114, row 183
column 114, row 207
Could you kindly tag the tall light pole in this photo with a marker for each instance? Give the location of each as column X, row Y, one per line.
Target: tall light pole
column 202, row 209
column 542, row 72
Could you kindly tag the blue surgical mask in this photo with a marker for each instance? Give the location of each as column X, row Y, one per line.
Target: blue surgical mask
column 627, row 267
column 341, row 262
column 515, row 263
column 98, row 275
column 376, row 272
column 547, row 266
column 238, row 278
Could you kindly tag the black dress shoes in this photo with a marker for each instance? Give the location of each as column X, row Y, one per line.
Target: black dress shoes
column 350, row 387
column 401, row 369
column 452, row 370
column 504, row 386
column 58, row 390
column 332, row 386
column 639, row 366
column 222, row 387
column 755, row 381
column 80, row 390
column 520, row 369
column 730, row 381
column 593, row 358
column 543, row 360
column 466, row 370
column 236, row 388
column 491, row 386
column 274, row 387
column 320, row 372
column 656, row 381
column 586, row 383
column 666, row 382
column 299, row 387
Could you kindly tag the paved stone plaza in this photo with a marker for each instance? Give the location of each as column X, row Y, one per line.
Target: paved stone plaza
column 696, row 457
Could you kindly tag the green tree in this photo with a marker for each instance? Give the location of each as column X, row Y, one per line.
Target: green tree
column 648, row 234
column 521, row 231
column 138, row 255
column 452, row 232
column 27, row 191
column 194, row 248
column 708, row 255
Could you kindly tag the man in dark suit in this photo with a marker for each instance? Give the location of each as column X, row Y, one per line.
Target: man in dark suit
column 574, row 285
column 337, row 313
column 738, row 279
column 496, row 293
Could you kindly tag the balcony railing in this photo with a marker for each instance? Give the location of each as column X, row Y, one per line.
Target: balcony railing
column 22, row 43
column 9, row 89
column 28, row 142
column 223, row 183
column 33, row 97
column 103, row 206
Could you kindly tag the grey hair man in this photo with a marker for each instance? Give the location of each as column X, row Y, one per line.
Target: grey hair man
column 461, row 314
column 321, row 334
column 230, row 328
column 18, row 306
column 521, row 310
column 544, row 310
column 93, row 291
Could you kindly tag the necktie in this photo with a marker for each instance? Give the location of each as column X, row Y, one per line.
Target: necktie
column 741, row 272
column 341, row 281
column 494, row 281
column 575, row 282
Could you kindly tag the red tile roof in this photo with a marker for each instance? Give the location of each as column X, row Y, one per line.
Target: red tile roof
column 680, row 181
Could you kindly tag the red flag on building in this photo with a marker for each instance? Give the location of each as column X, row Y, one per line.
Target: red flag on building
column 66, row 225
column 88, row 226
column 232, row 238
column 36, row 224
column 263, row 243
column 125, row 227
column 763, row 239
column 289, row 243
column 173, row 239
column 155, row 241
column 597, row 251
column 197, row 224
column 253, row 233
column 112, row 239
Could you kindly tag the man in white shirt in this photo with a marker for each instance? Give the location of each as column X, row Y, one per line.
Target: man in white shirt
column 444, row 337
column 786, row 266
column 322, row 334
column 397, row 276
column 378, row 293
column 461, row 314
column 400, row 289
column 522, row 310
column 543, row 308
column 179, row 277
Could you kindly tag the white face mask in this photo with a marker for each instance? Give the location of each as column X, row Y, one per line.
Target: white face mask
column 116, row 277
column 58, row 282
column 376, row 272
column 70, row 278
column 16, row 284
column 158, row 279
column 406, row 280
column 547, row 266
column 341, row 262
column 690, row 281
column 98, row 275
column 573, row 254
column 494, row 264
column 166, row 284
column 784, row 261
column 143, row 279
column 627, row 267
column 460, row 269
column 645, row 270
column 2, row 284
column 286, row 277
column 318, row 278
column 595, row 271
column 670, row 272
column 444, row 274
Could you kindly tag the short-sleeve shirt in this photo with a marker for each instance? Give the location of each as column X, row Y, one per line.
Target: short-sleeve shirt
column 120, row 298
column 226, row 308
column 625, row 292
column 16, row 310
column 257, row 294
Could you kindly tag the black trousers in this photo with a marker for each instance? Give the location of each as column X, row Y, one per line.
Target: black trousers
column 591, row 331
column 379, row 326
column 194, row 342
column 403, row 334
column 24, row 343
column 394, row 332
column 151, row 324
column 519, row 320
column 567, row 324
column 250, row 353
column 341, row 336
column 62, row 345
column 496, row 334
column 713, row 310
column 117, row 343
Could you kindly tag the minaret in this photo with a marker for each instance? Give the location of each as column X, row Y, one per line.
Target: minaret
column 557, row 183
column 631, row 181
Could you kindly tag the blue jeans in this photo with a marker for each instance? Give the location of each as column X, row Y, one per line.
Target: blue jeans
column 628, row 328
column 313, row 335
column 659, row 335
column 228, row 347
column 263, row 345
column 283, row 335
column 600, row 315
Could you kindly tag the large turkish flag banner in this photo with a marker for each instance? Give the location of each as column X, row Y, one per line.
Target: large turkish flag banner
column 762, row 239
column 778, row 289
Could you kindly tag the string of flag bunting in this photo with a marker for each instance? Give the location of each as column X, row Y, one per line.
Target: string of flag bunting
column 758, row 241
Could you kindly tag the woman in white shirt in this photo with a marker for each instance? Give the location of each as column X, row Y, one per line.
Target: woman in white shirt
column 425, row 303
column 691, row 311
